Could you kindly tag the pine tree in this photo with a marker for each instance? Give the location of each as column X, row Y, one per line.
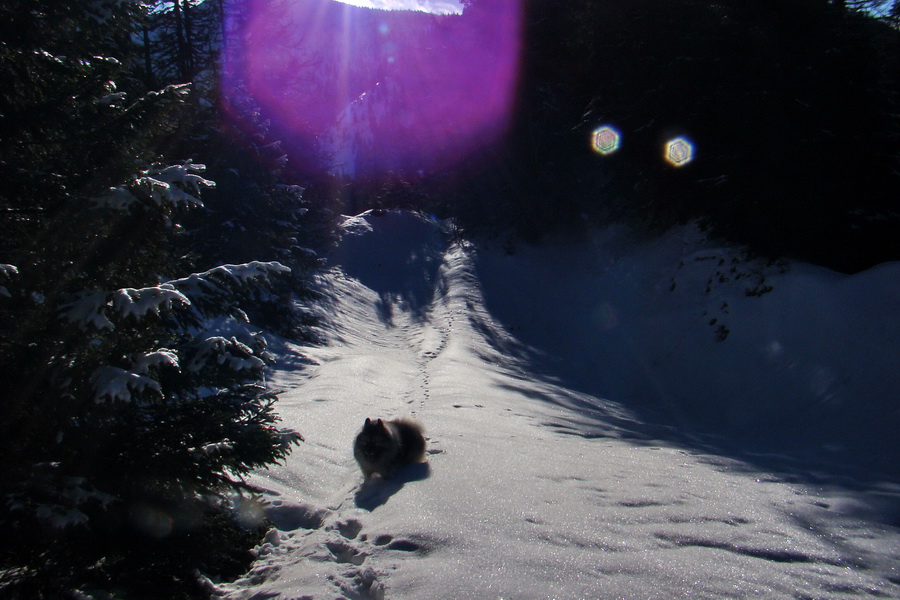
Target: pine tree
column 181, row 39
column 256, row 212
column 133, row 398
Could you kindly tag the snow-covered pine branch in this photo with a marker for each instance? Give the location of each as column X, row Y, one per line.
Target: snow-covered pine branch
column 115, row 384
column 214, row 448
column 173, row 187
column 6, row 274
column 44, row 55
column 229, row 353
column 88, row 311
column 177, row 92
column 206, row 289
column 204, row 294
column 98, row 310
column 184, row 174
column 154, row 360
column 131, row 302
column 111, row 97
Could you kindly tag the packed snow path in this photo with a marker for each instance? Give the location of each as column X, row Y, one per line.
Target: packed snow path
column 531, row 490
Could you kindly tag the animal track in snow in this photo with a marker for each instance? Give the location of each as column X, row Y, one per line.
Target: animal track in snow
column 402, row 545
column 349, row 528
column 434, row 342
column 345, row 553
column 359, row 584
column 289, row 517
column 352, row 552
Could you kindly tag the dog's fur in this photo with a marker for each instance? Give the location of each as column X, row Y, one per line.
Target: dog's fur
column 382, row 446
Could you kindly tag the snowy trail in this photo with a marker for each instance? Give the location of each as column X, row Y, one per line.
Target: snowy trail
column 531, row 490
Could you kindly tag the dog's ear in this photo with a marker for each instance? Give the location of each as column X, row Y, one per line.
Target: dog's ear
column 379, row 423
column 368, row 421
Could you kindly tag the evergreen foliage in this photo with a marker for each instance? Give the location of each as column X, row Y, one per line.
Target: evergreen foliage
column 260, row 215
column 133, row 398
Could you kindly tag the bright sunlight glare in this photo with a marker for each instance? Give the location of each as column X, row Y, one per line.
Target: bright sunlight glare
column 361, row 92
column 436, row 7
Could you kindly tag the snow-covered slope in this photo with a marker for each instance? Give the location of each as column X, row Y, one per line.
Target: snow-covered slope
column 789, row 358
column 560, row 463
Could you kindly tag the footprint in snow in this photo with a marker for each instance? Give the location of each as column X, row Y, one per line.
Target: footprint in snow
column 360, row 583
column 434, row 447
column 289, row 517
column 346, row 553
column 353, row 549
column 349, row 528
column 390, row 543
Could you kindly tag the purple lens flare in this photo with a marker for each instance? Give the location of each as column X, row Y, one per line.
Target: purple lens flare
column 364, row 92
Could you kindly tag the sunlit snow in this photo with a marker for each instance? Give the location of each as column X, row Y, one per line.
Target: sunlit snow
column 592, row 432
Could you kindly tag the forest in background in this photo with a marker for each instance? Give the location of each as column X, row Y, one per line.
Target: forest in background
column 146, row 240
column 792, row 108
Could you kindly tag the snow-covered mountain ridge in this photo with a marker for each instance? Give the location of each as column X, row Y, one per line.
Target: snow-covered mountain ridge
column 571, row 446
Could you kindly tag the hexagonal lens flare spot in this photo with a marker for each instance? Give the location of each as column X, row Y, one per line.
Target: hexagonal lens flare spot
column 605, row 140
column 679, row 152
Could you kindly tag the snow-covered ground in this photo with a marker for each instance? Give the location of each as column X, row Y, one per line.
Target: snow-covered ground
column 600, row 425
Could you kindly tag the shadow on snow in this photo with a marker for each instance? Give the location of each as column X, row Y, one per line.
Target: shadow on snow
column 376, row 492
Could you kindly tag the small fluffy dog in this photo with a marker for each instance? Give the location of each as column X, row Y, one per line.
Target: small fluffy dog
column 382, row 447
